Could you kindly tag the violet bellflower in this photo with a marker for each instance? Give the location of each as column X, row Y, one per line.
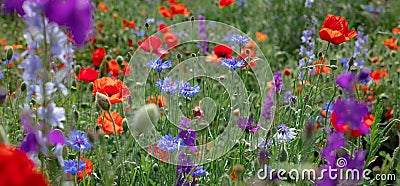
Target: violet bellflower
column 350, row 112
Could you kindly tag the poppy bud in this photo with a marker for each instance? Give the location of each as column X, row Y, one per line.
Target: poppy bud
column 221, row 129
column 192, row 18
column 179, row 56
column 236, row 112
column 108, row 58
column 120, row 60
column 193, row 55
column 3, row 136
column 77, row 69
column 393, row 53
column 9, row 53
column 320, row 54
column 333, row 67
column 102, row 101
column 76, row 115
column 147, row 25
column 353, row 69
column 351, row 62
column 155, row 167
column 23, row 87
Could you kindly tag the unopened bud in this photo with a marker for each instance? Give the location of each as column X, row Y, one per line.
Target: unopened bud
column 9, row 53
column 102, row 101
column 147, row 25
column 108, row 58
column 393, row 53
column 77, row 69
column 120, row 60
column 155, row 167
column 333, row 67
column 179, row 56
column 351, row 62
column 192, row 18
column 23, row 86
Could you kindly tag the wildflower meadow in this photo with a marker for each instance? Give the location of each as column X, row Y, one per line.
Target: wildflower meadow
column 201, row 92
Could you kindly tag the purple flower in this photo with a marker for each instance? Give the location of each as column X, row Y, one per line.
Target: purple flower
column 199, row 171
column 346, row 81
column 267, row 109
column 71, row 166
column 309, row 3
column 186, row 90
column 363, row 77
column 167, row 85
column 159, row 65
column 79, row 141
column 76, row 15
column 169, row 143
column 3, row 94
column 30, row 144
column 184, row 122
column 52, row 114
column 11, row 6
column 32, row 65
column 285, row 134
column 233, row 63
column 203, row 35
column 246, row 125
column 277, row 84
column 187, row 136
column 335, row 141
column 351, row 112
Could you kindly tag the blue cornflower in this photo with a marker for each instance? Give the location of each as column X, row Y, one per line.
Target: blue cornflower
column 78, row 141
column 1, row 75
column 186, row 90
column 369, row 8
column 344, row 62
column 150, row 20
column 52, row 114
column 71, row 166
column 233, row 63
column 199, row 171
column 167, row 85
column 330, row 109
column 159, row 65
column 169, row 143
column 240, row 40
column 140, row 33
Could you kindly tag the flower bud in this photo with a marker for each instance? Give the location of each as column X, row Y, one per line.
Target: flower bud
column 120, row 60
column 333, row 67
column 9, row 53
column 23, row 86
column 155, row 167
column 102, row 101
column 77, row 69
column 393, row 53
column 108, row 58
column 179, row 56
column 147, row 25
column 351, row 62
column 283, row 155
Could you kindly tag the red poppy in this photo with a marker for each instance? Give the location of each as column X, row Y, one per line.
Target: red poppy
column 105, row 122
column 170, row 39
column 367, row 122
column 223, row 51
column 87, row 170
column 396, row 30
column 163, row 28
column 377, row 75
column 389, row 114
column 152, row 42
column 224, row 3
column 161, row 101
column 127, row 69
column 164, row 11
column 319, row 68
column 130, row 42
column 17, row 169
column 115, row 90
column 335, row 30
column 391, row 43
column 98, row 56
column 126, row 23
column 286, row 72
column 88, row 74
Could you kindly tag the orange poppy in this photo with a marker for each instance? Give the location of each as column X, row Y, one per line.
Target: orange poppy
column 161, row 101
column 170, row 39
column 115, row 90
column 113, row 67
column 3, row 41
column 261, row 36
column 224, row 3
column 126, row 23
column 178, row 8
column 391, row 43
column 377, row 75
column 319, row 68
column 107, row 124
column 164, row 11
column 396, row 30
column 335, row 30
column 102, row 7
column 87, row 170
